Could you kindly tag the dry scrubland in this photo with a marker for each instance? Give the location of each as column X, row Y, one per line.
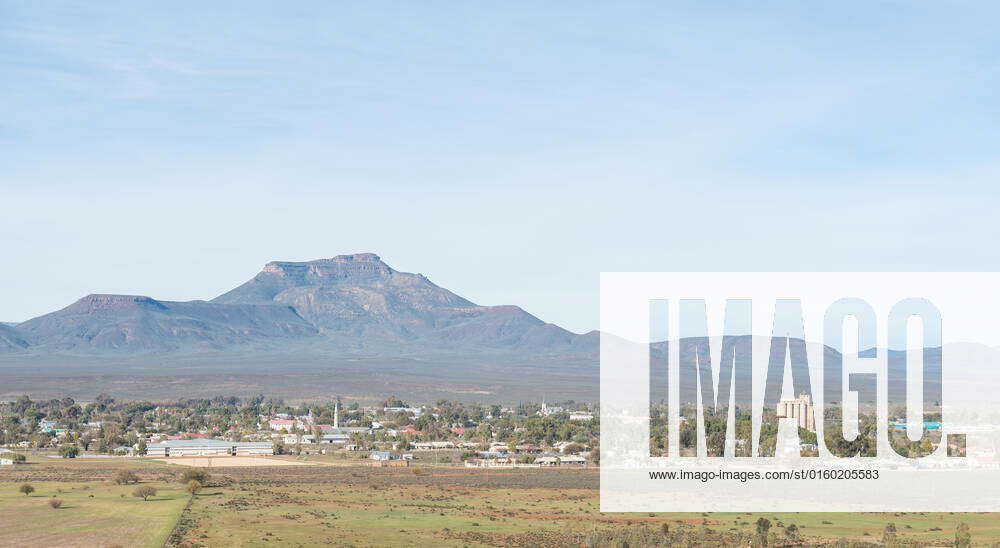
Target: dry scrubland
column 232, row 462
column 359, row 506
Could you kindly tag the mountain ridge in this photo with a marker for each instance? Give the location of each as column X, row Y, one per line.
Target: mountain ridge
column 140, row 323
column 347, row 302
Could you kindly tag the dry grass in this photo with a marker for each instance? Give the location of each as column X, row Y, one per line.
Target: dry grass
column 233, row 462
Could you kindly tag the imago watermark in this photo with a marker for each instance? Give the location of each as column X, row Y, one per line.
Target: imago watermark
column 800, row 391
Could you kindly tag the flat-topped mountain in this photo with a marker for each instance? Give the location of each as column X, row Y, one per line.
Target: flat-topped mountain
column 360, row 296
column 349, row 302
column 278, row 276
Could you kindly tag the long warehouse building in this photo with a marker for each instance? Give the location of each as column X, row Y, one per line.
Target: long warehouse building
column 208, row 448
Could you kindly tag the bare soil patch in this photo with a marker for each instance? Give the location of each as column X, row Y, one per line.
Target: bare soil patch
column 233, row 462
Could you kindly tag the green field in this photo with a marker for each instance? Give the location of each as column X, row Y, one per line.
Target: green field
column 353, row 505
column 92, row 514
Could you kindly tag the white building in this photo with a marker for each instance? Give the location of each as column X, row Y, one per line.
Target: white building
column 433, row 445
column 547, row 410
column 411, row 411
column 208, row 448
column 800, row 409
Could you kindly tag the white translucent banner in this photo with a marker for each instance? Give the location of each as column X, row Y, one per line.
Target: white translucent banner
column 790, row 391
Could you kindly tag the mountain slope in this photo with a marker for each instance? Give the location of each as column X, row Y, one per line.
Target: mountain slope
column 349, row 303
column 360, row 296
column 136, row 323
column 11, row 339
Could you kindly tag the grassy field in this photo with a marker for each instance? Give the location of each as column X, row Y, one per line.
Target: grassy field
column 441, row 507
column 93, row 514
column 343, row 503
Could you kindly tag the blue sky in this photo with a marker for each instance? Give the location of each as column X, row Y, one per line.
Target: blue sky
column 508, row 152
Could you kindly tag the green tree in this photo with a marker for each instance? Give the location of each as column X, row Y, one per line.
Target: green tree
column 142, row 448
column 27, row 489
column 193, row 487
column 69, row 451
column 393, row 401
column 359, row 440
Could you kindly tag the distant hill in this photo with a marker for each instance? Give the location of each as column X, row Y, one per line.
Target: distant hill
column 350, row 324
column 135, row 323
column 349, row 302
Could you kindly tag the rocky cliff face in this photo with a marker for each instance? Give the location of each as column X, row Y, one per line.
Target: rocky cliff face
column 346, row 302
column 362, row 270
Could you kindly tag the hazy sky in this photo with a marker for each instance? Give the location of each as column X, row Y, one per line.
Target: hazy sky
column 508, row 152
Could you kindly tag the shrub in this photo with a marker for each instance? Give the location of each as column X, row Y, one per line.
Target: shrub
column 55, row 503
column 761, row 538
column 889, row 538
column 27, row 489
column 963, row 539
column 193, row 487
column 144, row 492
column 125, row 477
column 16, row 457
column 574, row 448
column 195, row 474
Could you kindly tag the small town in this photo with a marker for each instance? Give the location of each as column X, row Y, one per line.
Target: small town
column 391, row 434
column 259, row 471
